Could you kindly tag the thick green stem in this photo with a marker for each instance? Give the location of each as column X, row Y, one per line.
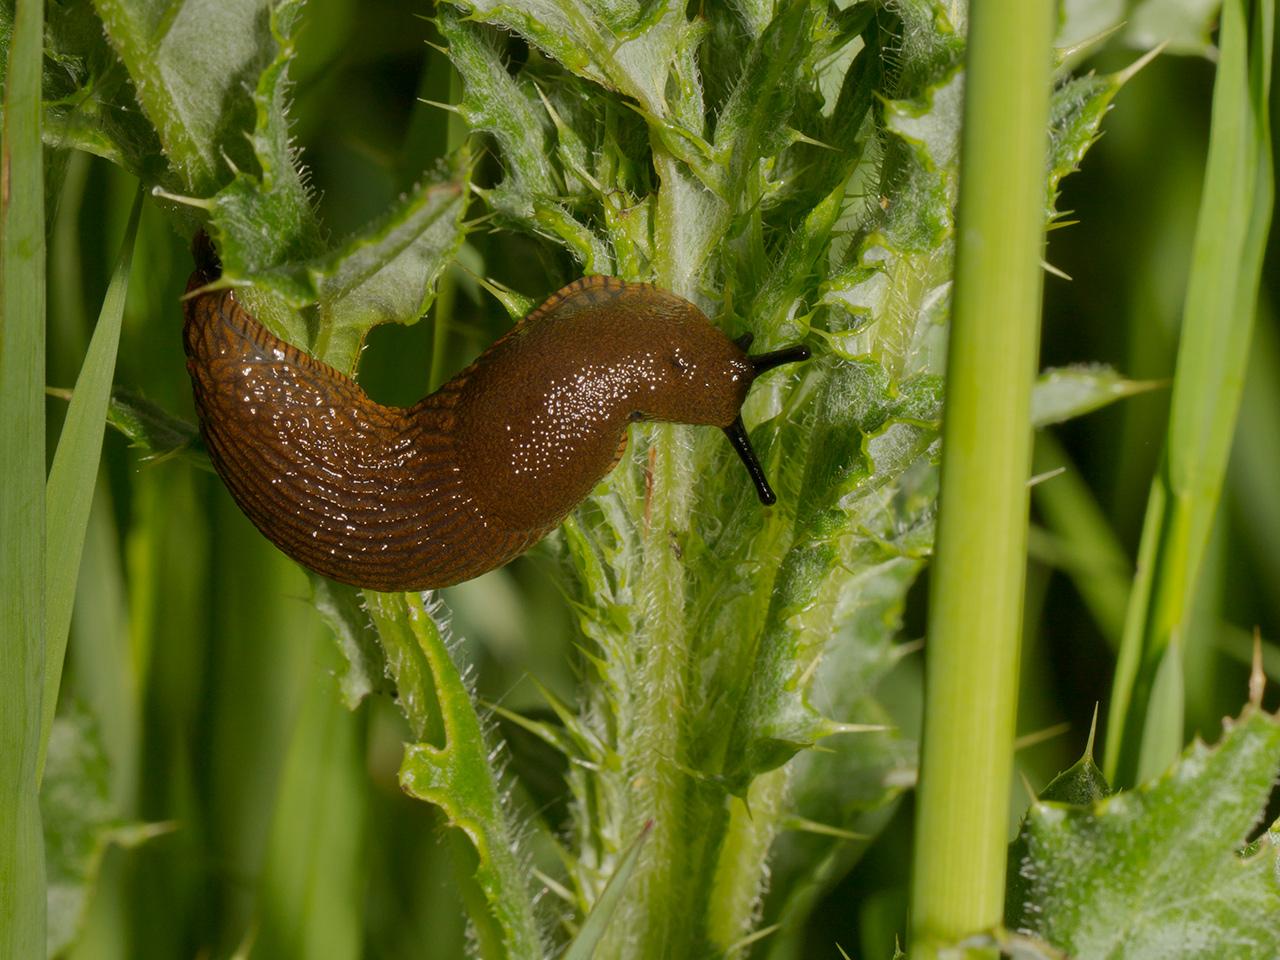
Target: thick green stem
column 976, row 600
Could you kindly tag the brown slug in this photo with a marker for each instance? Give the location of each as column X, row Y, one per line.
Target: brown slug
column 469, row 477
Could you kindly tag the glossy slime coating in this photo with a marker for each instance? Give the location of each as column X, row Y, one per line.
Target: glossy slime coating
column 426, row 496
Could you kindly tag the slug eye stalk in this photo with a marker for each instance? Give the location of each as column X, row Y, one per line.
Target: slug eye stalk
column 737, row 433
column 776, row 358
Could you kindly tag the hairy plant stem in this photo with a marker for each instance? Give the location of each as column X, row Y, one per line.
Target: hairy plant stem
column 651, row 918
column 656, row 778
column 660, row 920
column 735, row 889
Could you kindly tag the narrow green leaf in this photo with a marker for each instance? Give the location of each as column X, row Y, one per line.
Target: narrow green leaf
column 1166, row 716
column 1091, row 553
column 1255, row 455
column 1064, row 393
column 311, row 891
column 1218, row 316
column 69, row 492
column 22, row 517
column 597, row 923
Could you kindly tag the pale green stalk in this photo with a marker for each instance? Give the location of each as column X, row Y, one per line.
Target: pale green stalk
column 976, row 600
column 22, row 614
column 1222, row 290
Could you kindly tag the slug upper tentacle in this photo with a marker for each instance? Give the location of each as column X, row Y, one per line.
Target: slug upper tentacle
column 414, row 498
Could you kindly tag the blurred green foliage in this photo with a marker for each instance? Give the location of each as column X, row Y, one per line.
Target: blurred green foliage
column 278, row 827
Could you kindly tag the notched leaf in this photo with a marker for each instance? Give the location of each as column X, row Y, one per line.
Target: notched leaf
column 451, row 768
column 1110, row 878
column 865, row 435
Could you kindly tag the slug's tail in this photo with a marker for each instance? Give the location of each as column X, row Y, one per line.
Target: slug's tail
column 737, row 433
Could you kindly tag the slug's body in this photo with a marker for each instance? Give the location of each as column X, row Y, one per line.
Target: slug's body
column 430, row 495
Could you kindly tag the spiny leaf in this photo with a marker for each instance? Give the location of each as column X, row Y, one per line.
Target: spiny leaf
column 153, row 430
column 263, row 217
column 515, row 116
column 187, row 66
column 753, row 123
column 1110, row 879
column 1075, row 116
column 450, row 768
column 363, row 664
column 845, row 463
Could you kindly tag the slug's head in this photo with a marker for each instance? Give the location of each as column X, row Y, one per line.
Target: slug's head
column 693, row 373
column 700, row 376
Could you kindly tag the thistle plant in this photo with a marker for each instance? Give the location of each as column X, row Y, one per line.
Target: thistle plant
column 792, row 168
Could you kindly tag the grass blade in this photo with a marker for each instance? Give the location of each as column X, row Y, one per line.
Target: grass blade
column 597, row 922
column 22, row 271
column 1218, row 316
column 69, row 492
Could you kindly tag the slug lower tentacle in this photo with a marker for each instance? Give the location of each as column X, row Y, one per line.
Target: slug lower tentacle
column 426, row 496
